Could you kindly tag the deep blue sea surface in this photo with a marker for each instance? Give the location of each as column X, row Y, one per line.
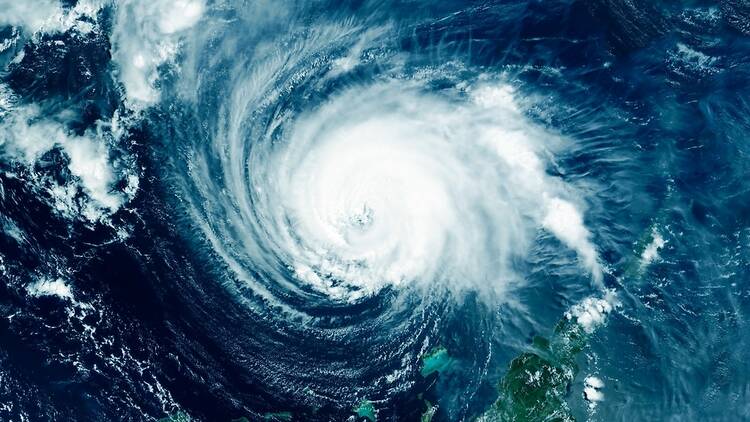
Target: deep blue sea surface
column 230, row 210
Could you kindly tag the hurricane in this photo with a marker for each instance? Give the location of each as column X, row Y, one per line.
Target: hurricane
column 229, row 210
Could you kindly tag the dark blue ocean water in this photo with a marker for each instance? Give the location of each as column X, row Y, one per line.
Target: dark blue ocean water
column 166, row 168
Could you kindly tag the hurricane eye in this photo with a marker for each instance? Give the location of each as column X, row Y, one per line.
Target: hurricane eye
column 362, row 219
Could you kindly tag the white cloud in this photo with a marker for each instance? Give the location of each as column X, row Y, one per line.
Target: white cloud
column 146, row 35
column 25, row 135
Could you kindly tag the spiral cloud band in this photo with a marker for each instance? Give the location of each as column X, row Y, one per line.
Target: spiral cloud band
column 389, row 185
